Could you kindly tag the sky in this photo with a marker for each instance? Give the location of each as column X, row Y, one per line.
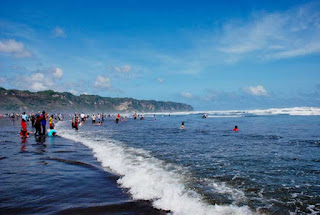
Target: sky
column 212, row 55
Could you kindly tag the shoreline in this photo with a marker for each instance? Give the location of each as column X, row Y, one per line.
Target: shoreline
column 48, row 173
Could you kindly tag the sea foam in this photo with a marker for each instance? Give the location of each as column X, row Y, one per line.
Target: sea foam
column 295, row 111
column 148, row 178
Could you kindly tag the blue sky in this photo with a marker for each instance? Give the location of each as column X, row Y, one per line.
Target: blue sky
column 212, row 55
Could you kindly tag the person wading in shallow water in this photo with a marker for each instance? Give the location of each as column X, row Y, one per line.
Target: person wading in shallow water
column 37, row 125
column 23, row 132
column 43, row 122
column 93, row 117
column 33, row 119
column 75, row 123
column 51, row 124
column 117, row 118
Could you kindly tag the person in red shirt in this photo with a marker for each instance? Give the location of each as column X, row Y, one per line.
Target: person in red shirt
column 118, row 118
column 23, row 132
column 75, row 123
column 235, row 128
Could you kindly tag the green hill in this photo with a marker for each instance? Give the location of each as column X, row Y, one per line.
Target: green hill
column 17, row 100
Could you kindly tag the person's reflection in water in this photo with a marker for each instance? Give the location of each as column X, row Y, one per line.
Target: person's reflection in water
column 24, row 144
column 51, row 140
column 41, row 139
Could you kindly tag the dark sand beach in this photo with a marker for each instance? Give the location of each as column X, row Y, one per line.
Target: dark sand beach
column 54, row 175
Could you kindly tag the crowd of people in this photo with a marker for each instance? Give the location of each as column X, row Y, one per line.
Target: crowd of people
column 99, row 118
column 38, row 121
column 79, row 119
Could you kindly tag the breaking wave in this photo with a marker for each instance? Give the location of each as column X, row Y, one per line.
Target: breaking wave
column 148, row 178
column 295, row 111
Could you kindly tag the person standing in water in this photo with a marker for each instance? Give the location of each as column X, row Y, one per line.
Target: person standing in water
column 93, row 118
column 37, row 125
column 33, row 119
column 43, row 122
column 51, row 125
column 75, row 123
column 182, row 125
column 82, row 117
column 24, row 131
column 118, row 118
column 24, row 116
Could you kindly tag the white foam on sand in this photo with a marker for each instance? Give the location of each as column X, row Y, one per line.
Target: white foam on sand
column 148, row 178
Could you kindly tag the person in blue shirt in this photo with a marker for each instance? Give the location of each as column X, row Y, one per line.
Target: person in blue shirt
column 43, row 122
column 52, row 133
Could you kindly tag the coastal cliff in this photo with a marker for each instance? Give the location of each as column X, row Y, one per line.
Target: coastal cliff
column 17, row 100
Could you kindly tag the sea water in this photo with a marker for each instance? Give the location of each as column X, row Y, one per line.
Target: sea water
column 270, row 166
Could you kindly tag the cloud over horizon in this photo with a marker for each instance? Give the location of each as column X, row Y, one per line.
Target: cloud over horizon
column 186, row 95
column 102, row 82
column 38, row 80
column 58, row 72
column 256, row 90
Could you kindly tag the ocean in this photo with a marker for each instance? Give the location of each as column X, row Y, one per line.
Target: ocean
column 151, row 166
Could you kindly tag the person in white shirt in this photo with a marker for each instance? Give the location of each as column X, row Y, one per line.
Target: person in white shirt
column 93, row 117
column 82, row 117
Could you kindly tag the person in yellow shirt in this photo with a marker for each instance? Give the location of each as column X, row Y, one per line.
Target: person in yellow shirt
column 51, row 125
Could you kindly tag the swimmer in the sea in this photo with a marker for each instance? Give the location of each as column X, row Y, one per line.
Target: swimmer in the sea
column 52, row 133
column 182, row 125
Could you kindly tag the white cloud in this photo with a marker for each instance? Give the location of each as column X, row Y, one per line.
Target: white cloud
column 102, row 82
column 288, row 34
column 58, row 32
column 3, row 80
column 257, row 91
column 16, row 30
column 123, row 69
column 160, row 80
column 187, row 95
column 37, row 77
column 13, row 47
column 58, row 72
column 307, row 49
column 37, row 86
column 74, row 92
column 44, row 79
